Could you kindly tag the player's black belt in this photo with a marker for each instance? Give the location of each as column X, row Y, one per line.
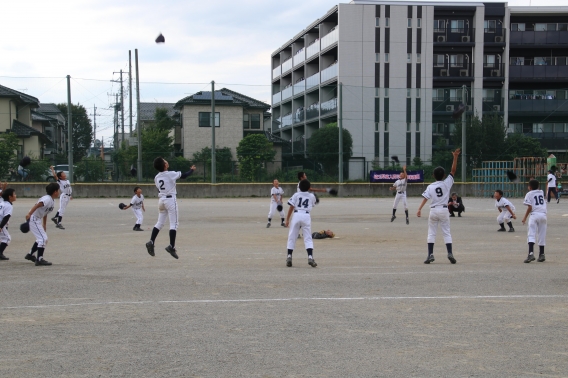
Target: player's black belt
column 168, row 196
column 400, row 192
column 446, row 206
column 303, row 211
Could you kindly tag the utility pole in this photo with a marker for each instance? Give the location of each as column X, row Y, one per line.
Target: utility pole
column 130, row 87
column 122, row 105
column 464, row 138
column 213, row 167
column 116, row 122
column 69, row 130
column 340, row 123
column 138, row 126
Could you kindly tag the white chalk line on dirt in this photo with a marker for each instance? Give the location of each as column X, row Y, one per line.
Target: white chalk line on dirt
column 319, row 299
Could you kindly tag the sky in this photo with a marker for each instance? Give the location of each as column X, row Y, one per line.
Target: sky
column 223, row 40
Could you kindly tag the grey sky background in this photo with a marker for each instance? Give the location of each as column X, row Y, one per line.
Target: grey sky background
column 226, row 41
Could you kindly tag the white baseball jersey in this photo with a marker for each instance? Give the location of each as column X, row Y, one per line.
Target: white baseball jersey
column 302, row 201
column 6, row 209
column 48, row 205
column 551, row 180
column 502, row 204
column 279, row 192
column 537, row 200
column 166, row 183
column 298, row 188
column 439, row 192
column 136, row 202
column 65, row 187
column 400, row 185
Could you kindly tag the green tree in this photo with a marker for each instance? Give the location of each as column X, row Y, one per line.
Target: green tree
column 82, row 129
column 485, row 139
column 323, row 146
column 223, row 159
column 441, row 155
column 163, row 121
column 252, row 151
column 90, row 169
column 8, row 147
column 520, row 145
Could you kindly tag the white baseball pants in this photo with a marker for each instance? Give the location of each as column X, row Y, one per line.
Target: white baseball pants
column 168, row 209
column 537, row 225
column 273, row 210
column 139, row 214
column 300, row 220
column 5, row 235
column 36, row 227
column 400, row 196
column 504, row 217
column 439, row 216
column 63, row 202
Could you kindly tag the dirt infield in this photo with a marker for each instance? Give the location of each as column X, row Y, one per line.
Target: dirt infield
column 230, row 307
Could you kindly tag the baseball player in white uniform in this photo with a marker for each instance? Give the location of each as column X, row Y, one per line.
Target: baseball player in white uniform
column 38, row 223
column 439, row 194
column 2, row 188
column 400, row 187
column 276, row 194
column 551, row 186
column 506, row 211
column 137, row 205
column 536, row 208
column 301, row 204
column 6, row 208
column 65, row 192
column 166, row 183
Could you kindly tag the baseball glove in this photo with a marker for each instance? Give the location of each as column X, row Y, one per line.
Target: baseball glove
column 332, row 191
column 121, row 206
column 25, row 227
column 279, row 207
column 512, row 176
column 317, row 198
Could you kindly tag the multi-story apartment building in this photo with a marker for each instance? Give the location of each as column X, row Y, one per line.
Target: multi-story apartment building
column 403, row 66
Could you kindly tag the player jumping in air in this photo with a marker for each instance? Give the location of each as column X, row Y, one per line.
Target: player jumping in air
column 506, row 211
column 137, row 205
column 400, row 187
column 38, row 223
column 166, row 184
column 536, row 208
column 301, row 204
column 65, row 191
column 439, row 193
column 276, row 194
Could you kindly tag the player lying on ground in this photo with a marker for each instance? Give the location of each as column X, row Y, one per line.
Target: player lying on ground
column 301, row 204
column 323, row 234
column 400, row 187
column 506, row 211
column 536, row 208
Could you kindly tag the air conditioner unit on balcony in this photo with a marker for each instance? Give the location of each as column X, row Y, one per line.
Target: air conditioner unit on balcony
column 496, row 108
column 449, row 108
column 465, row 38
column 464, row 72
column 441, row 38
column 495, row 73
column 444, row 72
column 499, row 39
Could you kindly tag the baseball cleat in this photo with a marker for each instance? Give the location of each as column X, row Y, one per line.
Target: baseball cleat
column 429, row 259
column 452, row 215
column 172, row 251
column 407, row 221
column 501, row 230
column 312, row 263
column 134, row 228
column 54, row 219
column 529, row 258
column 150, row 248
column 2, row 257
column 268, row 225
column 511, row 230
column 451, row 258
column 283, row 224
column 393, row 218
column 459, row 215
column 541, row 258
column 30, row 257
column 60, row 226
column 289, row 261
column 42, row 262
column 558, row 200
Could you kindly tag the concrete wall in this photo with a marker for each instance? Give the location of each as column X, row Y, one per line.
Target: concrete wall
column 196, row 190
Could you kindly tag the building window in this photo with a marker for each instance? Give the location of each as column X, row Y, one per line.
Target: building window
column 438, row 94
column 456, row 60
column 386, row 57
column 417, row 92
column 408, row 94
column 246, row 124
column 377, row 21
column 439, row 26
column 439, row 60
column 418, row 23
column 418, row 58
column 517, row 61
column 489, row 61
column 377, row 58
column 386, row 127
column 455, row 95
column 490, row 26
column 408, row 127
column 255, row 121
column 387, row 22
column 515, row 128
column 409, row 22
column 377, row 92
column 488, row 95
column 205, row 119
column 386, row 92
column 417, row 127
column 408, row 58
column 457, row 26
column 542, row 61
column 377, row 126
column 518, row 27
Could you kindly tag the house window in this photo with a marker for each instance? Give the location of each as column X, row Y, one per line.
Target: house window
column 409, row 22
column 518, row 27
column 205, row 119
column 246, row 123
column 439, row 26
column 456, row 60
column 489, row 61
column 490, row 26
column 419, row 23
column 255, row 121
column 439, row 60
column 457, row 26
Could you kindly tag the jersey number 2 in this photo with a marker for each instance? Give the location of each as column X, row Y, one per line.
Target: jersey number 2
column 161, row 185
column 439, row 192
column 305, row 203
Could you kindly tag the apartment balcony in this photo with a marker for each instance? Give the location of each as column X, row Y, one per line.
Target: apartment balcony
column 530, row 104
column 313, row 81
column 299, row 115
column 459, row 36
column 455, row 71
column 493, row 104
column 299, row 87
column 497, row 35
column 287, row 92
column 330, row 38
column 539, row 38
column 287, row 65
column 276, row 123
column 287, row 120
column 494, row 70
column 276, row 98
column 328, row 107
column 312, row 111
column 300, row 56
column 538, row 73
column 330, row 72
column 276, row 72
column 313, row 49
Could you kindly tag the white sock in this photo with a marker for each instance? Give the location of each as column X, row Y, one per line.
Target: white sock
column 310, row 257
column 289, row 256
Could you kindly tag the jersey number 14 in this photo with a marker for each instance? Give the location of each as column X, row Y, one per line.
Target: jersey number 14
column 304, row 203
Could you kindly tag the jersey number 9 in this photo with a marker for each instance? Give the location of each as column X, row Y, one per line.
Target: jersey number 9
column 439, row 192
